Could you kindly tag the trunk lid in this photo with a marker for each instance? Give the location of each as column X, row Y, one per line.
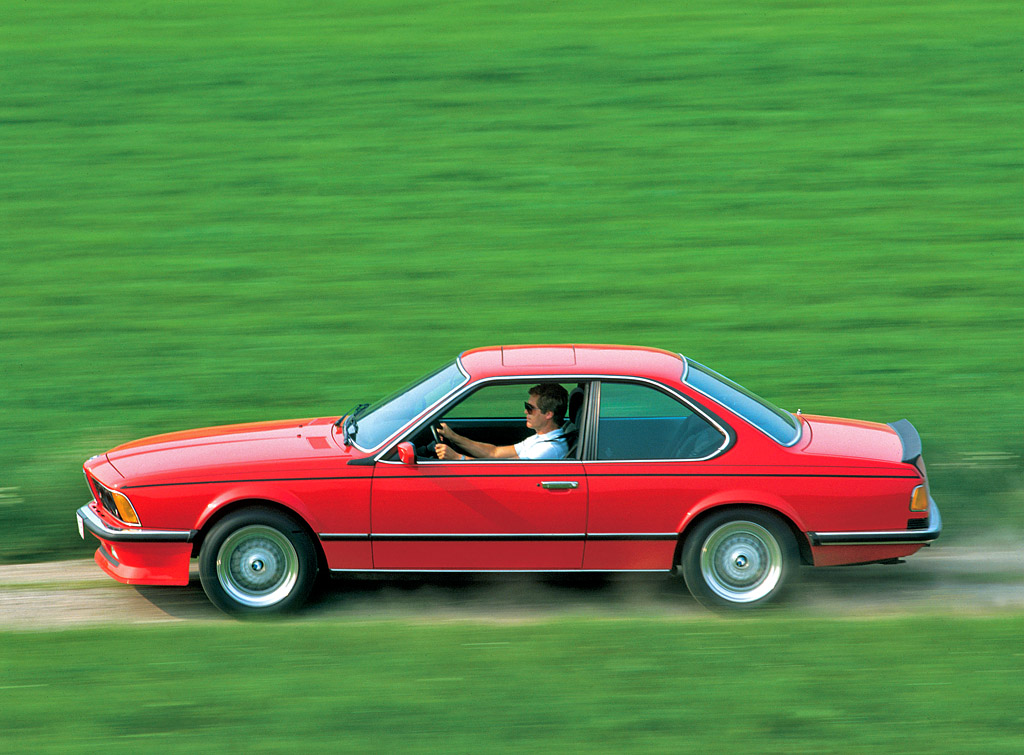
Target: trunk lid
column 851, row 438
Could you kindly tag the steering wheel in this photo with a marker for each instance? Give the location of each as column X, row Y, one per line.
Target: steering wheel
column 435, row 430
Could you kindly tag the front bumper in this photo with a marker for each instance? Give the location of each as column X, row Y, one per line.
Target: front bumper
column 90, row 520
column 138, row 556
column 885, row 537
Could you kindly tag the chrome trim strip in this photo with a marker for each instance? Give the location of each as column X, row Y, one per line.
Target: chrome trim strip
column 495, row 571
column 104, row 531
column 586, row 443
column 343, row 535
column 885, row 537
column 632, row 536
column 528, row 536
column 732, row 474
column 438, row 536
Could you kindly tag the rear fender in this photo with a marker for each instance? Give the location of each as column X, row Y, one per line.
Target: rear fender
column 741, row 497
column 757, row 498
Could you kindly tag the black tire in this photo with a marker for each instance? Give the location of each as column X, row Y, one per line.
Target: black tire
column 257, row 562
column 739, row 558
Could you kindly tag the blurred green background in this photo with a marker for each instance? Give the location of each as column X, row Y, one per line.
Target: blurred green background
column 225, row 212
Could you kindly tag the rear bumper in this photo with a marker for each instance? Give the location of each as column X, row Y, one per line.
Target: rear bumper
column 885, row 537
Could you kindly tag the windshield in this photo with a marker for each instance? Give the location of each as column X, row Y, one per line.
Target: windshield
column 774, row 422
column 388, row 415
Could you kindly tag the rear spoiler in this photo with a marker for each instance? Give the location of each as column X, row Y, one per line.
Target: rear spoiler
column 909, row 438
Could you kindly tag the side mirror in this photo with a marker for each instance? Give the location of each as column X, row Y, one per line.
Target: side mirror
column 407, row 452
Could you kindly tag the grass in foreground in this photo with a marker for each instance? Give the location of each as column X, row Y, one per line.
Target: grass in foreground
column 763, row 684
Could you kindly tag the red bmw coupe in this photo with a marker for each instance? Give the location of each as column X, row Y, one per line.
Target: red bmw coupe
column 662, row 465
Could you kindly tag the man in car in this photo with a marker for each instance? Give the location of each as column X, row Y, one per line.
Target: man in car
column 545, row 413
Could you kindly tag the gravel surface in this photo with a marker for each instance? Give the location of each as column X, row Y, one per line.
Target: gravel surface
column 935, row 581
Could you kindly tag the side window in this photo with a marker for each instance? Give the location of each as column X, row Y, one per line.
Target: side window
column 496, row 414
column 492, row 402
column 641, row 422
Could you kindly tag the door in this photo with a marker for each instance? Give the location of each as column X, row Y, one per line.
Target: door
column 479, row 515
column 495, row 514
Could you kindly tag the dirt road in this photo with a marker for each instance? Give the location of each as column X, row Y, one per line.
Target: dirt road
column 936, row 581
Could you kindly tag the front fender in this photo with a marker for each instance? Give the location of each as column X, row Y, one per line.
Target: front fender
column 259, row 492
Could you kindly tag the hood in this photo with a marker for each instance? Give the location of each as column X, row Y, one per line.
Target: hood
column 232, row 450
column 851, row 438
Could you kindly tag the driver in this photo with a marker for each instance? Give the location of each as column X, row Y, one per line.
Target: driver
column 545, row 413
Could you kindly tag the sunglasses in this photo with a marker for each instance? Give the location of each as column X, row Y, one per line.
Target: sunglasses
column 530, row 408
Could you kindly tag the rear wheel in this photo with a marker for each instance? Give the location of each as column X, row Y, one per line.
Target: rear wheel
column 739, row 558
column 257, row 561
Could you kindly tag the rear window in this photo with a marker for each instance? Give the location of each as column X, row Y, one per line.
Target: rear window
column 774, row 422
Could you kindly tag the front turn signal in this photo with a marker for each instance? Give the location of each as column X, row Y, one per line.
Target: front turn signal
column 125, row 510
column 919, row 499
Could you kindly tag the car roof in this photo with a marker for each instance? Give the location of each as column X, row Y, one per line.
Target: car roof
column 572, row 360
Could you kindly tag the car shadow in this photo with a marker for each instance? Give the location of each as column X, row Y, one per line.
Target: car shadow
column 512, row 596
column 188, row 602
column 501, row 596
column 470, row 596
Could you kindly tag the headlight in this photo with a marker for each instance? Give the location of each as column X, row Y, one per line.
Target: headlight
column 919, row 499
column 115, row 503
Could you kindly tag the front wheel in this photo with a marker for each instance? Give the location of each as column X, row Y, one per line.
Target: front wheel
column 257, row 561
column 739, row 558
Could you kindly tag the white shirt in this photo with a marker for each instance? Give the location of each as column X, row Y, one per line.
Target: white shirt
column 550, row 445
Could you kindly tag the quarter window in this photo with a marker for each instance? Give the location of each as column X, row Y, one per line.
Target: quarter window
column 641, row 422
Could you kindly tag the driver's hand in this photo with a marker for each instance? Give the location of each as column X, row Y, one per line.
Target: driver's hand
column 446, row 452
column 446, row 431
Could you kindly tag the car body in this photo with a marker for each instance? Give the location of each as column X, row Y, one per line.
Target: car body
column 672, row 467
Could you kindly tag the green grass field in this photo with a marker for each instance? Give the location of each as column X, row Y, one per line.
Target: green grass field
column 761, row 685
column 237, row 211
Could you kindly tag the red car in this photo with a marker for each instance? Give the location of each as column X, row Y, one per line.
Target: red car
column 661, row 464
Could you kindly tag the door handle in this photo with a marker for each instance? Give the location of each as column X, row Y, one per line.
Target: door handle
column 558, row 485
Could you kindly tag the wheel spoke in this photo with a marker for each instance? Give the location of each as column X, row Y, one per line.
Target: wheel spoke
column 741, row 562
column 257, row 566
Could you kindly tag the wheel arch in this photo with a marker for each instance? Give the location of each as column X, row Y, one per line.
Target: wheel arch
column 702, row 513
column 216, row 512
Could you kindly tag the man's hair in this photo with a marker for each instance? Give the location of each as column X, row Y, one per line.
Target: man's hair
column 551, row 397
